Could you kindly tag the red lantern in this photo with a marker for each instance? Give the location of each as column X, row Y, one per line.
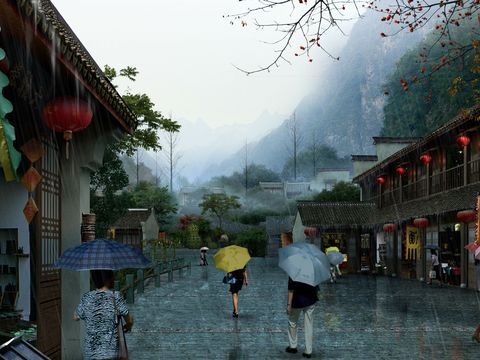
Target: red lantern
column 380, row 180
column 466, row 216
column 426, row 159
column 310, row 231
column 67, row 115
column 463, row 140
column 420, row 222
column 400, row 170
column 389, row 227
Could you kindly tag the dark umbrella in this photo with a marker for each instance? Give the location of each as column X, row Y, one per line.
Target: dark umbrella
column 432, row 247
column 101, row 254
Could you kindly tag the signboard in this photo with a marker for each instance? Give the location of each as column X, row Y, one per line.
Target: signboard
column 412, row 243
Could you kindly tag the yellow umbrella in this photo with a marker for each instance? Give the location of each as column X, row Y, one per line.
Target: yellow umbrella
column 332, row 248
column 231, row 258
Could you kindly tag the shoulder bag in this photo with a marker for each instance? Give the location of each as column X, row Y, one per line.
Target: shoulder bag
column 122, row 342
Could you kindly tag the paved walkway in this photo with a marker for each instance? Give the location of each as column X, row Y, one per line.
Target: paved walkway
column 360, row 317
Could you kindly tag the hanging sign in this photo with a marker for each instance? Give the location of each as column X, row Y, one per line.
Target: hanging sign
column 412, row 243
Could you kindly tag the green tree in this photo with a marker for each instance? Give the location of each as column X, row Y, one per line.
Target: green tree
column 255, row 240
column 418, row 103
column 108, row 208
column 149, row 120
column 111, row 177
column 342, row 191
column 219, row 205
column 147, row 195
column 323, row 156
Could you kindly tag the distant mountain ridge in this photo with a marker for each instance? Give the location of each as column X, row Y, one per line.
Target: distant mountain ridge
column 346, row 110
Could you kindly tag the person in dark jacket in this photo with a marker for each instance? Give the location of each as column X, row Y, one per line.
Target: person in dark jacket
column 301, row 297
column 241, row 278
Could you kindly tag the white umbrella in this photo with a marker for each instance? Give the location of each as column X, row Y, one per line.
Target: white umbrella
column 335, row 257
column 314, row 250
column 204, row 248
column 302, row 266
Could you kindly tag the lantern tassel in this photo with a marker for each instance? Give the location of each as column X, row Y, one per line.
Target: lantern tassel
column 67, row 136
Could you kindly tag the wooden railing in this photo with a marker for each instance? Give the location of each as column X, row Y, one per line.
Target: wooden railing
column 439, row 182
column 155, row 272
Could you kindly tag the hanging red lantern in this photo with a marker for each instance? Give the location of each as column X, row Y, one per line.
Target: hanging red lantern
column 389, row 227
column 380, row 180
column 426, row 159
column 466, row 216
column 68, row 115
column 400, row 170
column 310, row 231
column 420, row 222
column 463, row 140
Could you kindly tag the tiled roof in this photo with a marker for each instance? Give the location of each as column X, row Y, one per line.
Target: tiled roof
column 47, row 20
column 132, row 219
column 275, row 225
column 364, row 158
column 454, row 200
column 471, row 114
column 394, row 140
column 335, row 214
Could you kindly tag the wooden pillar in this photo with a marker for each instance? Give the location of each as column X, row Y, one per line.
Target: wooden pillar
column 129, row 279
column 395, row 253
column 401, row 189
column 463, row 255
column 140, row 278
column 157, row 276
column 429, row 180
column 423, row 254
column 465, row 167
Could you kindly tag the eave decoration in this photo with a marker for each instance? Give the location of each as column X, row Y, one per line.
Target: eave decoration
column 33, row 150
column 9, row 156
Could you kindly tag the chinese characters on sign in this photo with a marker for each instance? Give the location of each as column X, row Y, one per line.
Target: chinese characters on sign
column 412, row 243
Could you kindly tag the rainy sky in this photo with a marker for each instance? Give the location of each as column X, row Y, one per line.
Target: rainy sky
column 185, row 51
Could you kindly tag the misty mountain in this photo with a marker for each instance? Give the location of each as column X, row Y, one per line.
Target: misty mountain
column 346, row 109
column 198, row 147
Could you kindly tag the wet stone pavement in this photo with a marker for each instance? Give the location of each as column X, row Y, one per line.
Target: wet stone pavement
column 359, row 317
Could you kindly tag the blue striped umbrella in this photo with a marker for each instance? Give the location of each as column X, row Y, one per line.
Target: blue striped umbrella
column 101, row 254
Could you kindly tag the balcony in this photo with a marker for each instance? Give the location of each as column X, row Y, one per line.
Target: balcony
column 438, row 182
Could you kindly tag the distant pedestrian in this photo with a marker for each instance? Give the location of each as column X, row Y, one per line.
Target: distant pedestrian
column 435, row 266
column 99, row 309
column 241, row 278
column 203, row 258
column 301, row 297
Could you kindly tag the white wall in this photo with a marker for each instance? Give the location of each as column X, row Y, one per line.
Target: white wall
column 13, row 197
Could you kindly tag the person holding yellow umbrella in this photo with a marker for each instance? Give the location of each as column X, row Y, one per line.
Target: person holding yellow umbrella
column 233, row 260
column 336, row 258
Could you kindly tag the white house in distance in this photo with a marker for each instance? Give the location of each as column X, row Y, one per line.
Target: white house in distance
column 326, row 179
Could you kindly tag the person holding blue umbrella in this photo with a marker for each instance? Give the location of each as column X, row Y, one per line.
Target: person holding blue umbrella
column 103, row 309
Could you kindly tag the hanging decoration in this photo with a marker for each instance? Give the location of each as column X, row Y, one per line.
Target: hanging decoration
column 420, row 222
column 310, row 231
column 412, row 243
column 426, row 159
column 33, row 150
column 9, row 156
column 466, row 216
column 400, row 170
column 389, row 227
column 68, row 115
column 463, row 140
column 380, row 180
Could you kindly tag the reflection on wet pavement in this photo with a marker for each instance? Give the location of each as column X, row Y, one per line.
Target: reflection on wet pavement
column 359, row 317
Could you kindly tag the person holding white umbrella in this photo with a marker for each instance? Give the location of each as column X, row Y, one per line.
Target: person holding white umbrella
column 305, row 272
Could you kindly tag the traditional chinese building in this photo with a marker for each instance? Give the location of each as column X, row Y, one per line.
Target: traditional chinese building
column 55, row 102
column 425, row 195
